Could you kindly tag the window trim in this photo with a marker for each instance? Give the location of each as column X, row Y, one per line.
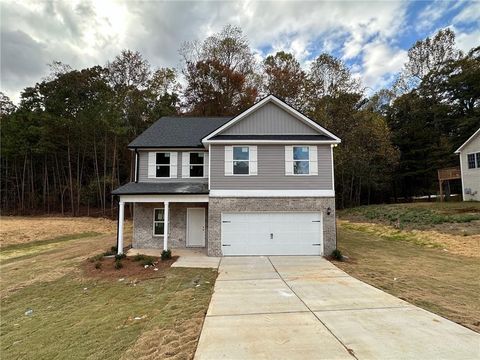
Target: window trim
column 247, row 161
column 307, row 160
column 155, row 221
column 203, row 165
column 165, row 165
column 476, row 160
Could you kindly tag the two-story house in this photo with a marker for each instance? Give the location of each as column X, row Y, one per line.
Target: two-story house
column 259, row 183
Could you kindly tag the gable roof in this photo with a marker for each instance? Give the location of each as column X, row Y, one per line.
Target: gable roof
column 271, row 98
column 466, row 142
column 178, row 132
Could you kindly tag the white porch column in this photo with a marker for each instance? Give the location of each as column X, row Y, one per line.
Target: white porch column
column 165, row 225
column 121, row 211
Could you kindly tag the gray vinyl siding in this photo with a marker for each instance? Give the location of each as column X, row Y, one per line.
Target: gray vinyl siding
column 270, row 120
column 143, row 169
column 271, row 171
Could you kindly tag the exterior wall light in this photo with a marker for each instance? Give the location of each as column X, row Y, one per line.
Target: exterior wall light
column 329, row 210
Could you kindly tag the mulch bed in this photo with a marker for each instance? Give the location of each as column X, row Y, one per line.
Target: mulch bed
column 130, row 269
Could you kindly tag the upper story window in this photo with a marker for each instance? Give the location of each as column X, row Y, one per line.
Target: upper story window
column 241, row 159
column 163, row 165
column 301, row 160
column 473, row 160
column 197, row 164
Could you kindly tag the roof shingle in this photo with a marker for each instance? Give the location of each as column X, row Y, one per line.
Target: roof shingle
column 178, row 132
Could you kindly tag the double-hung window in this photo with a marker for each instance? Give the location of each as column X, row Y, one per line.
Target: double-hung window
column 197, row 164
column 241, row 160
column 162, row 165
column 158, row 222
column 473, row 160
column 301, row 160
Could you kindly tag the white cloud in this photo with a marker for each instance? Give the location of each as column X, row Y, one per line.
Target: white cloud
column 467, row 41
column 380, row 64
column 469, row 14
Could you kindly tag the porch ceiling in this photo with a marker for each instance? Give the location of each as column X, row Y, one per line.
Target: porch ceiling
column 166, row 188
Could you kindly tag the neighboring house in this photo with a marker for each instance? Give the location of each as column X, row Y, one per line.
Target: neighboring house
column 259, row 183
column 470, row 167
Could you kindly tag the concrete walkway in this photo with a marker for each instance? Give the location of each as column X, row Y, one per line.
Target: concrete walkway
column 306, row 308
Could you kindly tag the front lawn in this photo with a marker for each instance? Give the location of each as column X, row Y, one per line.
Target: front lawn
column 56, row 304
column 436, row 268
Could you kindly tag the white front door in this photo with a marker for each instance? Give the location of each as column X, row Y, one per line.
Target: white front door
column 272, row 233
column 196, row 227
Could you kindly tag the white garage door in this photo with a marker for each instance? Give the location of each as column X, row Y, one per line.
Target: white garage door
column 272, row 233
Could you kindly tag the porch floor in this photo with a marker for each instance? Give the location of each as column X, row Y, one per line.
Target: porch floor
column 188, row 257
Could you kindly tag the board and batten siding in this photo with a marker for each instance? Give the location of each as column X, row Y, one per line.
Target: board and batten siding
column 470, row 177
column 270, row 119
column 270, row 171
column 143, row 168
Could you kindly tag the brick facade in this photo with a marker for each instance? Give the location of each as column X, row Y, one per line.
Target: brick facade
column 218, row 205
column 143, row 225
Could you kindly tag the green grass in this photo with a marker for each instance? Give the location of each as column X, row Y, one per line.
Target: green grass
column 16, row 251
column 77, row 318
column 416, row 214
column 438, row 281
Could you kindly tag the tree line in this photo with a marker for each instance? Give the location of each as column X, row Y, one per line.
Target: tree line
column 63, row 147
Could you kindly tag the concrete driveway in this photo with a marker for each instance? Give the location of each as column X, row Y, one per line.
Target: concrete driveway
column 302, row 307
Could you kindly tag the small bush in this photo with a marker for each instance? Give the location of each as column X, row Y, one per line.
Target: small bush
column 337, row 255
column 118, row 264
column 97, row 258
column 98, row 265
column 120, row 256
column 166, row 254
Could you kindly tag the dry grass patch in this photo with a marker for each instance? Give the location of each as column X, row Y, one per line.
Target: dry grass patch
column 459, row 244
column 53, row 307
column 21, row 230
column 100, row 319
column 443, row 282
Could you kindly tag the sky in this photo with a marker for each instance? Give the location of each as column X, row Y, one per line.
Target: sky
column 372, row 38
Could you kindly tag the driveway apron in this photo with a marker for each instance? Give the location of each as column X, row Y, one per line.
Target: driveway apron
column 303, row 307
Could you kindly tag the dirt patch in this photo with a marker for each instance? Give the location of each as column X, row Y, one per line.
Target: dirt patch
column 20, row 230
column 105, row 269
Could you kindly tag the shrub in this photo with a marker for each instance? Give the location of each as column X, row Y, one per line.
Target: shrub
column 97, row 258
column 120, row 256
column 337, row 255
column 166, row 254
column 144, row 259
column 118, row 264
column 98, row 265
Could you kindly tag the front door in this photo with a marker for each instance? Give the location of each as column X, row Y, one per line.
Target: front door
column 196, row 227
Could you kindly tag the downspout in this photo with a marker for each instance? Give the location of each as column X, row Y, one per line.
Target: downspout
column 137, row 165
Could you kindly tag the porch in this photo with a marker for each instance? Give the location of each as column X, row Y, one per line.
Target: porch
column 165, row 215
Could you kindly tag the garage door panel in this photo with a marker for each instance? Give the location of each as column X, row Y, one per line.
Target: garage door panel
column 272, row 233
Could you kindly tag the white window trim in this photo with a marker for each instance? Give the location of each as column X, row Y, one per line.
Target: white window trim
column 154, row 221
column 248, row 161
column 203, row 165
column 172, row 164
column 307, row 160
column 310, row 160
column 474, row 160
